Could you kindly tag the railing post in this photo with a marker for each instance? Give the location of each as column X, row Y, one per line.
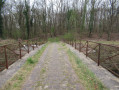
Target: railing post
column 36, row 44
column 6, row 59
column 28, row 46
column 33, row 47
column 20, row 50
column 32, row 44
column 80, row 46
column 75, row 44
column 99, row 54
column 72, row 43
column 87, row 49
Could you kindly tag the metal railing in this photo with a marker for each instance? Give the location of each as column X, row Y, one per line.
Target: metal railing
column 10, row 53
column 103, row 54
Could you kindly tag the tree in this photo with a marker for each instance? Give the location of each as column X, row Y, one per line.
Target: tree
column 112, row 3
column 57, row 17
column 27, row 16
column 118, row 10
column 91, row 22
column 84, row 15
column 1, row 19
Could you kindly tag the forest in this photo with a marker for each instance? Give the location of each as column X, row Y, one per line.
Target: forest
column 27, row 19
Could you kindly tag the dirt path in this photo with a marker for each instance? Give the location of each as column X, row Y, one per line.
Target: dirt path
column 53, row 72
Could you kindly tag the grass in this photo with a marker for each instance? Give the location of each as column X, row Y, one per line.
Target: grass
column 87, row 78
column 7, row 41
column 56, row 39
column 17, row 81
column 109, row 42
column 66, row 36
column 105, row 42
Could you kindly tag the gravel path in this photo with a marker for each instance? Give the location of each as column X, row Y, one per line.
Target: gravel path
column 53, row 72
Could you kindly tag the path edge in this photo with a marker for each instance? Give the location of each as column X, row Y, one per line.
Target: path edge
column 108, row 79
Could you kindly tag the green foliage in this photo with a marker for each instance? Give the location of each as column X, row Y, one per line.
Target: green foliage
column 56, row 39
column 26, row 13
column 1, row 26
column 52, row 30
column 91, row 23
column 69, row 13
column 71, row 19
column 68, row 36
column 16, row 34
column 30, row 61
column 84, row 16
column 1, row 19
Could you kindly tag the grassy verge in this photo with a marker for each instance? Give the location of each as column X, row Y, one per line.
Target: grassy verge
column 17, row 81
column 87, row 78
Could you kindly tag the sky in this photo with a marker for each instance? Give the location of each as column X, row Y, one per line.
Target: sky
column 31, row 2
column 48, row 1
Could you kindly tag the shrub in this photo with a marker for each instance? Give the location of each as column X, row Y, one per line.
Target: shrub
column 68, row 36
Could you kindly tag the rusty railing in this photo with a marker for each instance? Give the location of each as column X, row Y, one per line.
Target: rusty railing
column 12, row 52
column 103, row 54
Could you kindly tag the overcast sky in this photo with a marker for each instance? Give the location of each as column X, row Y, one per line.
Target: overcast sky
column 70, row 1
column 31, row 1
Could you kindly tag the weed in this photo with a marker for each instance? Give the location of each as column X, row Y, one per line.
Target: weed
column 43, row 70
column 30, row 61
